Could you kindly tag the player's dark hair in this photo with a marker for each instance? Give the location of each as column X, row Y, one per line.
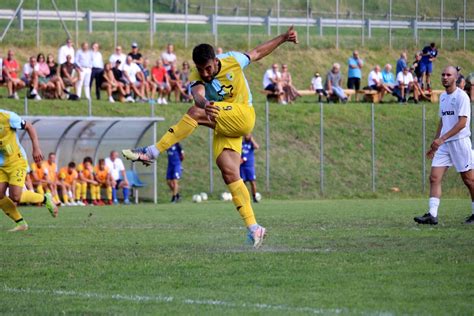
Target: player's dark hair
column 87, row 159
column 203, row 53
column 101, row 161
column 433, row 44
column 51, row 153
column 72, row 165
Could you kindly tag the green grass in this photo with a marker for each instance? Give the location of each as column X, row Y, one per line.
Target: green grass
column 328, row 257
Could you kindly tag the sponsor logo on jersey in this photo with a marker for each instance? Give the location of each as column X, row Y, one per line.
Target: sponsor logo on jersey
column 445, row 113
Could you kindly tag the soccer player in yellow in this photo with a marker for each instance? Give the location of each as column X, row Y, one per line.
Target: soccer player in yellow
column 223, row 102
column 86, row 178
column 38, row 177
column 104, row 180
column 68, row 177
column 13, row 168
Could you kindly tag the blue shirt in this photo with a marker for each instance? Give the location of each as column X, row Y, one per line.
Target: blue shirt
column 401, row 64
column 174, row 155
column 248, row 154
column 387, row 77
column 428, row 53
column 354, row 72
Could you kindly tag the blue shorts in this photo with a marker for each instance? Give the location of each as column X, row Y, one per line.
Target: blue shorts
column 426, row 67
column 173, row 172
column 247, row 173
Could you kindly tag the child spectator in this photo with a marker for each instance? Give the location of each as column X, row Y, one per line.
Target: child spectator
column 317, row 86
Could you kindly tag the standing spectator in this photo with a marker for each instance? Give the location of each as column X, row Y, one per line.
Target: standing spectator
column 404, row 85
column 287, row 84
column 65, row 50
column 118, row 55
column 354, row 73
column 131, row 72
column 54, row 77
column 168, row 57
column 375, row 82
column 84, row 61
column 401, row 63
column 185, row 83
column 333, row 83
column 417, row 68
column 174, row 172
column 247, row 163
column 160, row 77
column 30, row 77
column 430, row 53
column 97, row 69
column 119, row 177
column 272, row 82
column 317, row 86
column 136, row 55
column 69, row 72
column 10, row 71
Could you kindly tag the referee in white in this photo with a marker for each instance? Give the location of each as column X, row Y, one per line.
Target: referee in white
column 451, row 146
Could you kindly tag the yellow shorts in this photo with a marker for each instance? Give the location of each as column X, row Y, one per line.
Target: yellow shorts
column 234, row 121
column 14, row 173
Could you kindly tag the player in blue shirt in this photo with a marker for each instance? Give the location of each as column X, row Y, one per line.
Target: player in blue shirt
column 426, row 65
column 174, row 172
column 247, row 163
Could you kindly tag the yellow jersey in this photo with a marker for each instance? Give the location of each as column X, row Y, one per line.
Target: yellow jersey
column 38, row 170
column 66, row 176
column 86, row 172
column 101, row 175
column 230, row 84
column 51, row 170
column 10, row 147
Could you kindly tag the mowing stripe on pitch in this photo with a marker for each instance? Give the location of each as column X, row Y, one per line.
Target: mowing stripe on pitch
column 170, row 299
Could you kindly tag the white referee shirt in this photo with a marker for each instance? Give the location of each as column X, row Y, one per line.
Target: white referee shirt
column 451, row 107
column 115, row 167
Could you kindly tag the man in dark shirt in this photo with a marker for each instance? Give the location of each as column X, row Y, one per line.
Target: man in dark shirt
column 137, row 57
column 428, row 56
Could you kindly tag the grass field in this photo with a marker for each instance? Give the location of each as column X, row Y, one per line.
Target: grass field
column 321, row 257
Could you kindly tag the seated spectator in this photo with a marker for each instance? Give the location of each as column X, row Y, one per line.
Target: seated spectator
column 118, row 76
column 219, row 51
column 118, row 55
column 2, row 77
column 44, row 82
column 287, row 84
column 110, row 84
column 404, row 85
column 175, row 84
column 317, row 86
column 185, row 83
column 160, row 77
column 375, row 82
column 150, row 87
column 137, row 57
column 388, row 78
column 401, row 63
column 131, row 74
column 69, row 73
column 333, row 83
column 272, row 82
column 10, row 71
column 469, row 86
column 168, row 57
column 417, row 68
column 54, row 78
column 460, row 81
column 30, row 77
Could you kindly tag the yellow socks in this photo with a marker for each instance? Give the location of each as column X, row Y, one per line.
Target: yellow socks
column 40, row 189
column 7, row 205
column 109, row 193
column 31, row 197
column 241, row 199
column 78, row 191
column 84, row 190
column 94, row 192
column 176, row 133
column 65, row 198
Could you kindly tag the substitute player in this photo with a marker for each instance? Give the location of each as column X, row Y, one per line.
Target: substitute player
column 13, row 168
column 247, row 166
column 104, row 180
column 175, row 170
column 68, row 178
column 86, row 178
column 223, row 102
column 451, row 146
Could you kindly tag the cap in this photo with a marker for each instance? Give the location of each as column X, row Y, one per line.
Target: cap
column 134, row 45
column 118, row 61
column 317, row 74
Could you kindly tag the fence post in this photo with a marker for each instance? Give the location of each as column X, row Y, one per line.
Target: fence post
column 320, row 25
column 369, row 28
column 267, row 146
column 423, row 156
column 456, row 25
column 414, row 25
column 268, row 24
column 373, row 147
column 321, row 148
column 89, row 104
column 20, row 20
column 89, row 21
column 211, row 155
column 155, row 176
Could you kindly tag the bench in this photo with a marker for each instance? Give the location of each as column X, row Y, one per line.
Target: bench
column 434, row 95
column 348, row 92
column 135, row 183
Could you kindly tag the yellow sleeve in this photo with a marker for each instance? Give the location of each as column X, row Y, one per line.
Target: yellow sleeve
column 194, row 76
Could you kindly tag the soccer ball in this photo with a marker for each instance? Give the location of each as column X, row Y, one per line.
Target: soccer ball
column 204, row 196
column 226, row 196
column 197, row 198
column 258, row 197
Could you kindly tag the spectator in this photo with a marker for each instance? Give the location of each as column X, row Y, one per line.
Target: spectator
column 118, row 55
column 108, row 82
column 247, row 163
column 54, row 78
column 388, row 77
column 174, row 171
column 333, row 83
column 287, row 84
column 317, row 86
column 10, row 70
column 119, row 177
column 175, row 84
column 160, row 77
column 131, row 74
column 401, row 63
column 65, row 50
column 84, row 61
column 150, row 87
column 272, row 82
column 404, row 85
column 460, row 81
column 30, row 77
column 97, row 69
column 185, row 83
column 69, row 72
column 375, row 82
column 219, row 51
column 354, row 73
column 44, row 83
column 430, row 53
column 118, row 75
column 469, row 87
column 168, row 57
column 417, row 68
column 136, row 55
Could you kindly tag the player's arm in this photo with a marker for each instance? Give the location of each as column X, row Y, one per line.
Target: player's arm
column 254, row 143
column 266, row 48
column 453, row 131
column 37, row 154
column 124, row 177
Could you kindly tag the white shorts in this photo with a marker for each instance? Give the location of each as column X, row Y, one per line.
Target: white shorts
column 456, row 152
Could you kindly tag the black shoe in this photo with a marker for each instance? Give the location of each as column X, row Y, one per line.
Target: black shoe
column 178, row 197
column 426, row 219
column 255, row 200
column 470, row 219
column 174, row 199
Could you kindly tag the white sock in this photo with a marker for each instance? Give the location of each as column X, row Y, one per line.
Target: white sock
column 472, row 207
column 434, row 204
column 253, row 227
column 153, row 151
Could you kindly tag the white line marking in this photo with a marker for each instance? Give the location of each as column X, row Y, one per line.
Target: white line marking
column 171, row 299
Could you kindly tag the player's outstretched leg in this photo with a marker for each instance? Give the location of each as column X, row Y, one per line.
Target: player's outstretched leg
column 175, row 134
column 36, row 198
column 10, row 209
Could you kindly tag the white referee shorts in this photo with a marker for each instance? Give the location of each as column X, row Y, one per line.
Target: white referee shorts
column 456, row 152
